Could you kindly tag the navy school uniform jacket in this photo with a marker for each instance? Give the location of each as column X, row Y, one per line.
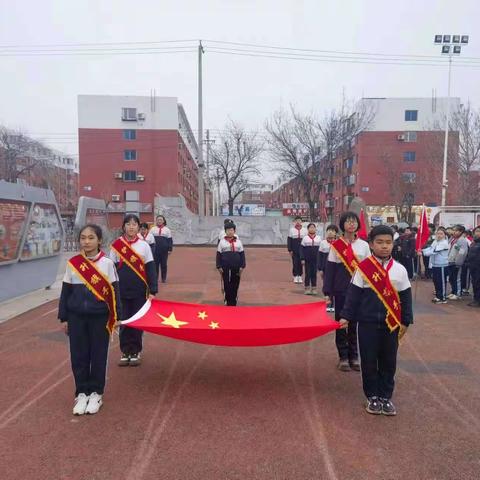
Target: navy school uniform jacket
column 309, row 248
column 131, row 285
column 295, row 236
column 363, row 305
column 163, row 239
column 230, row 253
column 149, row 238
column 323, row 252
column 336, row 277
column 77, row 299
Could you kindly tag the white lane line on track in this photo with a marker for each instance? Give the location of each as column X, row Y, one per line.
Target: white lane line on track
column 28, row 322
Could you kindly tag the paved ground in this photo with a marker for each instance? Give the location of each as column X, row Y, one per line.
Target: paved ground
column 198, row 412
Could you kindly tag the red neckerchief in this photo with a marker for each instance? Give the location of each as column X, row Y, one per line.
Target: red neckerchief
column 160, row 230
column 231, row 241
column 331, row 240
column 389, row 264
column 131, row 241
column 299, row 228
column 312, row 238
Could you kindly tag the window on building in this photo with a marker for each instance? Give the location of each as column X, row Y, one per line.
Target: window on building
column 409, row 177
column 411, row 115
column 410, row 136
column 129, row 176
column 129, row 154
column 409, row 156
column 129, row 114
column 349, row 163
column 129, row 134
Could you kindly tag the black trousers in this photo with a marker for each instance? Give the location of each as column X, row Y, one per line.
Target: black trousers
column 310, row 273
column 297, row 268
column 465, row 278
column 89, row 341
column 231, row 282
column 131, row 338
column 345, row 339
column 440, row 275
column 407, row 262
column 428, row 271
column 475, row 273
column 161, row 261
column 378, row 358
column 454, row 275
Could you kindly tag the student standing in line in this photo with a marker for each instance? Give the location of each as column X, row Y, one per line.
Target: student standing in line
column 437, row 253
column 89, row 308
column 221, row 234
column 379, row 300
column 309, row 257
column 473, row 263
column 230, row 263
column 147, row 236
column 163, row 246
column 323, row 251
column 295, row 236
column 456, row 257
column 345, row 254
column 136, row 270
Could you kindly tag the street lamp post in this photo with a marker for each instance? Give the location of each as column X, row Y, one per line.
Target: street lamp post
column 451, row 46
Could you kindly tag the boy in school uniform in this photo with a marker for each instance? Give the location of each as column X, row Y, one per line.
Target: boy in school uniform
column 323, row 251
column 456, row 258
column 345, row 254
column 309, row 256
column 163, row 246
column 295, row 236
column 230, row 263
column 379, row 300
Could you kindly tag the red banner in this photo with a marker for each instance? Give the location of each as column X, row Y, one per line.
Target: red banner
column 234, row 326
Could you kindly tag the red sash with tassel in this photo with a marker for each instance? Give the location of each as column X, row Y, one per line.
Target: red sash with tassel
column 346, row 254
column 131, row 258
column 97, row 283
column 377, row 277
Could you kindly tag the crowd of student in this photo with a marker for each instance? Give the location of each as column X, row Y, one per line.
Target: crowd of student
column 366, row 285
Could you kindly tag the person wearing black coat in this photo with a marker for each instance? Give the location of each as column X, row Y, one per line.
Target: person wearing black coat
column 473, row 263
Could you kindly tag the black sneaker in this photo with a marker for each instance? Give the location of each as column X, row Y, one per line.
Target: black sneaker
column 355, row 365
column 373, row 406
column 135, row 360
column 388, row 408
column 343, row 365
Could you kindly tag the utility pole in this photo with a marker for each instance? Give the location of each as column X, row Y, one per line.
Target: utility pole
column 201, row 167
column 209, row 181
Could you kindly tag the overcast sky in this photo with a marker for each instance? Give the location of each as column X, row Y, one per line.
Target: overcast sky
column 39, row 93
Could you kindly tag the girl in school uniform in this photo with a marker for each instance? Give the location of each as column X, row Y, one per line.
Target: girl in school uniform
column 323, row 251
column 138, row 281
column 230, row 263
column 294, row 239
column 163, row 246
column 89, row 307
column 144, row 234
column 309, row 257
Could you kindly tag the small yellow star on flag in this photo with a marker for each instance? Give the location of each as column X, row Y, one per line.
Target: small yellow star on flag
column 171, row 321
column 214, row 325
column 202, row 315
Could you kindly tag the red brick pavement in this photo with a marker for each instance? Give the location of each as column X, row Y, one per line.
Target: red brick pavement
column 198, row 412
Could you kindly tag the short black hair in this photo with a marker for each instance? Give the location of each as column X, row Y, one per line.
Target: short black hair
column 380, row 230
column 227, row 220
column 230, row 225
column 460, row 228
column 332, row 227
column 401, row 230
column 130, row 216
column 144, row 225
column 96, row 229
column 348, row 216
column 164, row 219
column 310, row 224
column 442, row 229
column 298, row 217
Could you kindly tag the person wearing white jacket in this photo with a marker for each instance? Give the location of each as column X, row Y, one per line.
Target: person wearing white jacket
column 438, row 256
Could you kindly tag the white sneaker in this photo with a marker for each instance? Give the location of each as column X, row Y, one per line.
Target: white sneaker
column 452, row 296
column 80, row 404
column 299, row 279
column 295, row 279
column 94, row 403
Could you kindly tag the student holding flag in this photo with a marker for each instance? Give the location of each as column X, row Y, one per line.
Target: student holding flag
column 379, row 300
column 138, row 281
column 345, row 254
column 89, row 308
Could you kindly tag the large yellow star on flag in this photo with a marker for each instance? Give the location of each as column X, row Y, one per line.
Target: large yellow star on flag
column 202, row 315
column 171, row 321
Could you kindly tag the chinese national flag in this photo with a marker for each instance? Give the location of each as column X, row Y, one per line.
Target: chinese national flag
column 423, row 231
column 233, row 326
column 362, row 231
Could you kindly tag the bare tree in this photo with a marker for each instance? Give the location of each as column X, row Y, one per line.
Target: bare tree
column 466, row 120
column 15, row 153
column 304, row 147
column 235, row 156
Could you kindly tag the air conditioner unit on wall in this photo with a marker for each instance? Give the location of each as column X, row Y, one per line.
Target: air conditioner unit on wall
column 140, row 116
column 118, row 175
column 401, row 138
column 140, row 178
column 115, row 198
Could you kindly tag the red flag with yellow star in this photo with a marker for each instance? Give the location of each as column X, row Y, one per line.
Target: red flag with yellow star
column 233, row 326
